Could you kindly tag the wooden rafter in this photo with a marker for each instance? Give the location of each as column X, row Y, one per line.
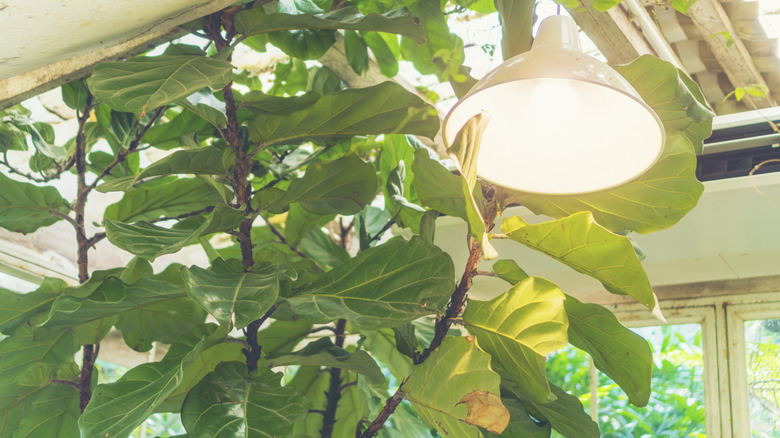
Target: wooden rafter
column 713, row 23
column 620, row 33
column 612, row 32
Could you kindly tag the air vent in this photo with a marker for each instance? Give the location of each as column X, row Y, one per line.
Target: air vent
column 722, row 165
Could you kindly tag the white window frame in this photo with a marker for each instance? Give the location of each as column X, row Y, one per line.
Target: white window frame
column 736, row 316
column 722, row 319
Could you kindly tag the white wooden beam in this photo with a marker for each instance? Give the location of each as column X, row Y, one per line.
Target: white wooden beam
column 713, row 24
column 616, row 37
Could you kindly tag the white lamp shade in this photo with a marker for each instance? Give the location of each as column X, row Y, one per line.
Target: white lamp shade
column 561, row 121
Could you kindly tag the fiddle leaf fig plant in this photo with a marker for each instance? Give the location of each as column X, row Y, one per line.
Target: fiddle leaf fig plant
column 306, row 316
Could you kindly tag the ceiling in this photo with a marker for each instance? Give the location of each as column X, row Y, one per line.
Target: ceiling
column 50, row 42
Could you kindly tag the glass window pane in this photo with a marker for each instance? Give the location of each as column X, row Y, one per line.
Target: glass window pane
column 762, row 343
column 676, row 407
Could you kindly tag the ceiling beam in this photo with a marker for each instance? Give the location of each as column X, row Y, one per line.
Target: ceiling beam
column 623, row 33
column 712, row 22
column 612, row 32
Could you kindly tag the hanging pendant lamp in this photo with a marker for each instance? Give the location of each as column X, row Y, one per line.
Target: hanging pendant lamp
column 561, row 121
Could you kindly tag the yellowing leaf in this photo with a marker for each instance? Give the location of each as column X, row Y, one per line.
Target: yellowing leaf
column 437, row 386
column 486, row 410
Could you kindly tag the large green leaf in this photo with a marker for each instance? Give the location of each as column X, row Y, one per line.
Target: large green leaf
column 25, row 207
column 509, row 271
column 304, row 43
column 381, row 344
column 565, row 414
column 255, row 21
column 520, row 424
column 158, row 322
column 34, row 407
column 387, row 60
column 517, row 21
column 464, row 152
column 169, row 135
column 262, row 103
column 23, row 348
column 282, row 337
column 669, row 189
column 151, row 241
column 381, row 109
column 437, row 187
column 356, row 52
column 117, row 408
column 321, row 247
column 342, row 186
column 196, row 370
column 519, row 327
column 139, row 85
column 15, row 308
column 313, row 384
column 113, row 297
column 162, row 321
column 322, row 352
column 169, row 197
column 384, row 286
column 673, row 96
column 29, row 404
column 202, row 161
column 442, row 52
column 438, row 386
column 229, row 402
column 233, row 297
column 299, row 222
column 617, row 351
column 579, row 242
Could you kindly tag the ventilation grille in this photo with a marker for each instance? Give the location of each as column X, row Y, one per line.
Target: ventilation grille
column 737, row 163
column 745, row 147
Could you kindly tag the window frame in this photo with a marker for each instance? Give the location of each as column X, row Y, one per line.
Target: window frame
column 721, row 312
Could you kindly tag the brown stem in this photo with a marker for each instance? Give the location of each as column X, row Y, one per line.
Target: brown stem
column 61, row 168
column 333, row 395
column 212, row 25
column 454, row 308
column 252, row 349
column 123, row 153
column 79, row 157
column 85, row 380
column 390, row 405
column 386, row 227
column 457, row 300
column 485, row 273
column 64, row 216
